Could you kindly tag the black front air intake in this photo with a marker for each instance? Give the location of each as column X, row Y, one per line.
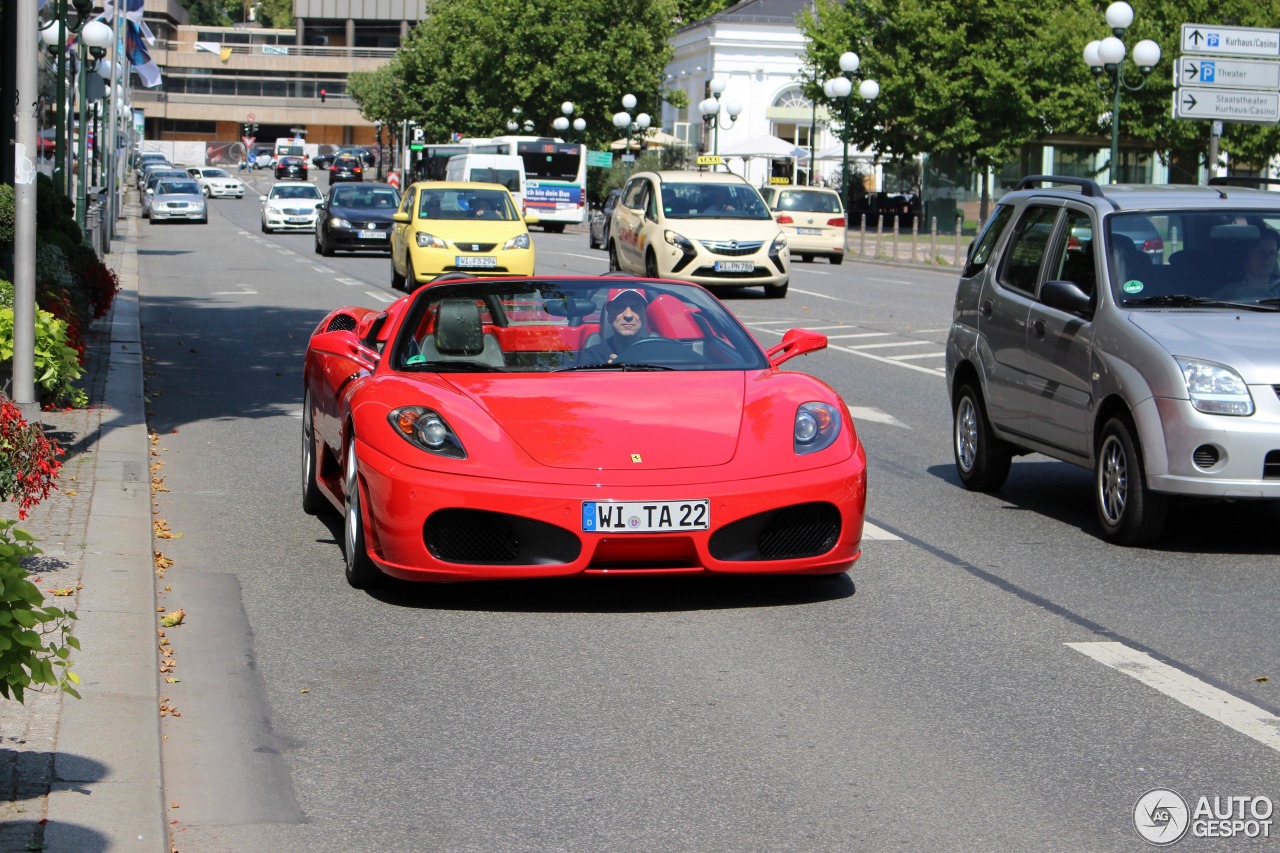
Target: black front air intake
column 480, row 538
column 794, row 532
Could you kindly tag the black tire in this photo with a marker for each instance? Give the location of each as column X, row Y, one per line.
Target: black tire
column 1129, row 512
column 982, row 459
column 397, row 280
column 265, row 229
column 591, row 239
column 776, row 291
column 313, row 500
column 325, row 249
column 613, row 257
column 806, row 259
column 410, row 277
column 360, row 570
column 837, row 259
column 651, row 265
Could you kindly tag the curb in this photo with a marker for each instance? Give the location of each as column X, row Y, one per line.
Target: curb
column 107, row 790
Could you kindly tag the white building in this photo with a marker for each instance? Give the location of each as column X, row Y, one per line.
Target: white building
column 756, row 48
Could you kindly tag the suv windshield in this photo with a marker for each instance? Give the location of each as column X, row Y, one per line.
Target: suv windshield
column 1192, row 257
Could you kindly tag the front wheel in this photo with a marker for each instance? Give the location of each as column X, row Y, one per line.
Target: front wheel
column 613, row 257
column 1130, row 513
column 776, row 291
column 397, row 280
column 651, row 266
column 361, row 572
column 982, row 459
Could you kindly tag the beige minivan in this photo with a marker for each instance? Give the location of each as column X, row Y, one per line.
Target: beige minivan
column 711, row 228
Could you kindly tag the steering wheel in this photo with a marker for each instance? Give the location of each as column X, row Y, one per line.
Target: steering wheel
column 657, row 351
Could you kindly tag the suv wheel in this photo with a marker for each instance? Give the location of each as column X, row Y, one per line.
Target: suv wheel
column 776, row 291
column 982, row 459
column 1130, row 513
column 613, row 257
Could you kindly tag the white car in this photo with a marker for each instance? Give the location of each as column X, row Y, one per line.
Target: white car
column 291, row 207
column 217, row 183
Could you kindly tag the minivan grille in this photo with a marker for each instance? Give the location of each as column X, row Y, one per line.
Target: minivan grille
column 732, row 248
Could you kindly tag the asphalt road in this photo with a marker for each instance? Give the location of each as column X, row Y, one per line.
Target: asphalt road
column 929, row 700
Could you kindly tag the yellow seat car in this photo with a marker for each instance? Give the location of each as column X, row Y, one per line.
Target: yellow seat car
column 458, row 226
column 812, row 218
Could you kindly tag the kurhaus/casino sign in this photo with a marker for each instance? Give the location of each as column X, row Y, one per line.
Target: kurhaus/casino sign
column 1245, row 90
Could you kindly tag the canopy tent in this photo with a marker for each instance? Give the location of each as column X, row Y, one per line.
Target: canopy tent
column 653, row 138
column 765, row 146
column 835, row 151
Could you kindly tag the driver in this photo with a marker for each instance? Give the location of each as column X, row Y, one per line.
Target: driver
column 625, row 322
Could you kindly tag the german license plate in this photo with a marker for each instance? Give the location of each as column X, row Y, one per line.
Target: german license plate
column 475, row 261
column 735, row 266
column 299, row 219
column 645, row 516
column 371, row 235
column 808, row 232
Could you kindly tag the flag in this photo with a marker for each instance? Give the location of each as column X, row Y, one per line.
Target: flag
column 137, row 40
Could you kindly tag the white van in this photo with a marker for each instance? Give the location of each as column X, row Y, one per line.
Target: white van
column 504, row 169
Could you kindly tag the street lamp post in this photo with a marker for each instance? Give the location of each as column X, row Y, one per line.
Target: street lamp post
column 841, row 89
column 54, row 35
column 630, row 130
column 562, row 123
column 710, row 109
column 94, row 37
column 513, row 123
column 1106, row 56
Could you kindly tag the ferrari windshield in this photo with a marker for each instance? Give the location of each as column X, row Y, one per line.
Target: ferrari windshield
column 580, row 325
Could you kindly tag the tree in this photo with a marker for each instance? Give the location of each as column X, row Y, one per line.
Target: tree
column 213, row 13
column 469, row 63
column 275, row 13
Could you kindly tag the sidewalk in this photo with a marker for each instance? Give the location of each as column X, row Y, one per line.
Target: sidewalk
column 81, row 776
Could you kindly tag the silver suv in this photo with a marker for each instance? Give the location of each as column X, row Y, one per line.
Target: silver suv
column 1158, row 370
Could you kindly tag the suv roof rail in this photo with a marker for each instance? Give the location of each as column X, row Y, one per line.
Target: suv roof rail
column 1087, row 186
column 1242, row 181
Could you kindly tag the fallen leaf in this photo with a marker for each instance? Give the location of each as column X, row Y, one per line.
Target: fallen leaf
column 172, row 680
column 174, row 618
column 63, row 591
column 1262, row 679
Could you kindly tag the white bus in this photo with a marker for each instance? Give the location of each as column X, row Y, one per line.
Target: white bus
column 290, row 146
column 555, row 173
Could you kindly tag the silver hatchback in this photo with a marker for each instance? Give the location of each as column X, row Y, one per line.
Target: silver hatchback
column 1157, row 370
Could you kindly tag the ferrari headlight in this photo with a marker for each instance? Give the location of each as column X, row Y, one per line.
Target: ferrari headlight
column 1215, row 389
column 427, row 430
column 520, row 241
column 338, row 222
column 816, row 427
column 429, row 241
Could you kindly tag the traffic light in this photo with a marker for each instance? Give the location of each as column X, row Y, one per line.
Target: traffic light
column 255, row 129
column 322, row 94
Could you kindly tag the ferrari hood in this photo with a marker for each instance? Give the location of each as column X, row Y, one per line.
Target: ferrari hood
column 619, row 421
column 1245, row 340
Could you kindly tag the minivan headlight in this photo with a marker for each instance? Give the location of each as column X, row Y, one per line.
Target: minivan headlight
column 1215, row 389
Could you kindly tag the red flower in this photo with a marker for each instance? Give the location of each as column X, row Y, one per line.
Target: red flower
column 29, row 461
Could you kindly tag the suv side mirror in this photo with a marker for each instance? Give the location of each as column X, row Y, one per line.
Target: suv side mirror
column 1067, row 296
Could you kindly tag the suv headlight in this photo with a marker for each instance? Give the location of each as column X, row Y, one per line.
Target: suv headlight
column 681, row 242
column 779, row 243
column 1215, row 389
column 429, row 241
column 520, row 241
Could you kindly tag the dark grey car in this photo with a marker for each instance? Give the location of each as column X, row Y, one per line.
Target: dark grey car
column 356, row 218
column 598, row 226
column 1157, row 370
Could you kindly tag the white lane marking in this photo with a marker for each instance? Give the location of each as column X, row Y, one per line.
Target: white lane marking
column 319, row 269
column 879, row 416
column 234, row 293
column 870, row 531
column 350, row 282
column 811, row 293
column 897, row 344
column 938, row 354
column 595, row 257
column 887, row 280
column 861, row 335
column 933, row 371
column 1218, row 705
column 380, row 296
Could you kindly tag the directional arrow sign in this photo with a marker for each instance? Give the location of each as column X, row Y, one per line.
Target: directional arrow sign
column 1230, row 41
column 1247, row 106
column 1227, row 73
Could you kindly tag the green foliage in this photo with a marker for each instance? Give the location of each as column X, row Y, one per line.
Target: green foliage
column 35, row 641
column 6, row 216
column 54, row 211
column 275, row 13
column 465, row 67
column 213, row 13
column 57, row 365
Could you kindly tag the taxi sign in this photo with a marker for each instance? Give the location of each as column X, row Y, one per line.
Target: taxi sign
column 782, row 180
column 710, row 160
